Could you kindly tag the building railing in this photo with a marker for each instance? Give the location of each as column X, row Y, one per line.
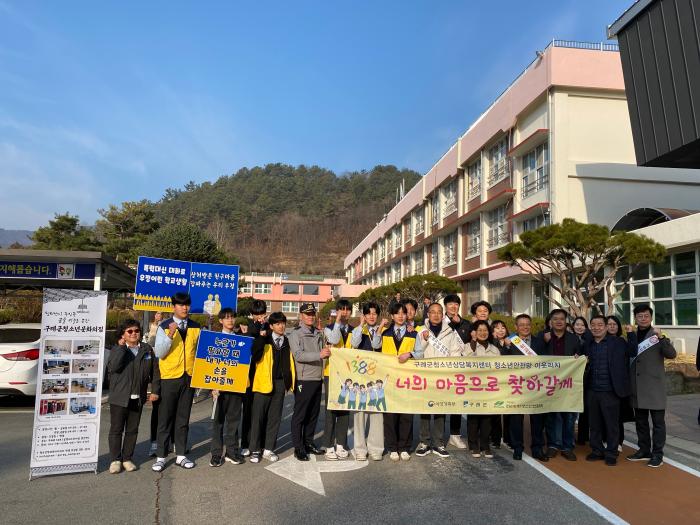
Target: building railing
column 474, row 248
column 450, row 205
column 535, row 185
column 593, row 46
column 498, row 239
column 474, row 191
column 499, row 171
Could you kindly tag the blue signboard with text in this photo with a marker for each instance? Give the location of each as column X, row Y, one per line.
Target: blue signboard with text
column 211, row 286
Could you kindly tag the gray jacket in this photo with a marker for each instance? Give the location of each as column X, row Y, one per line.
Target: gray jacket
column 306, row 345
column 647, row 373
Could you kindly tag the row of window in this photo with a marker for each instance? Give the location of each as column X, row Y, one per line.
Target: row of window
column 287, row 289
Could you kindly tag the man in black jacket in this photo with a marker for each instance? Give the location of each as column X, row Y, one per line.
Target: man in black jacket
column 132, row 366
column 607, row 383
column 463, row 329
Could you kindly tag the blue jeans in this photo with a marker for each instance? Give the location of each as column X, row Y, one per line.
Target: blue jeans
column 559, row 427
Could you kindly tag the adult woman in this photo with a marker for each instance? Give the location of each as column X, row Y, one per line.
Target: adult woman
column 132, row 366
column 580, row 326
column 614, row 327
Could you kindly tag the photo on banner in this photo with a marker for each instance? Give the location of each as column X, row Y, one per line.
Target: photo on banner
column 222, row 362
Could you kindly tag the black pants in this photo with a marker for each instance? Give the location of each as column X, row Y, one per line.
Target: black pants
column 266, row 417
column 514, row 431
column 123, row 421
column 537, row 433
column 455, row 424
column 583, row 428
column 337, row 423
column 398, row 432
column 478, row 431
column 247, row 418
column 659, row 431
column 436, row 437
column 155, row 405
column 307, row 406
column 224, row 426
column 496, row 430
column 603, row 415
column 174, row 414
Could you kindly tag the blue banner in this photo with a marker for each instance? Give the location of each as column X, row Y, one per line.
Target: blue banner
column 222, row 361
column 211, row 286
column 46, row 270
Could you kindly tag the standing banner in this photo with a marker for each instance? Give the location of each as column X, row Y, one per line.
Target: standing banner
column 222, row 361
column 455, row 385
column 211, row 286
column 69, row 383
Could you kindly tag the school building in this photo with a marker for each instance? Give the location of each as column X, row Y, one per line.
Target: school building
column 555, row 143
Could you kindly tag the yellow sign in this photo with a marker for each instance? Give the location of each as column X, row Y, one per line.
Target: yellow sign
column 222, row 362
column 375, row 382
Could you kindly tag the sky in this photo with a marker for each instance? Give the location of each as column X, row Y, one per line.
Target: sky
column 105, row 102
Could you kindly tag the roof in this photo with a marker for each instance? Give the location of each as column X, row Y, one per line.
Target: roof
column 643, row 217
column 625, row 18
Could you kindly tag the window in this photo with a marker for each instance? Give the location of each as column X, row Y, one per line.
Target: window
column 397, row 237
column 498, row 162
column 263, row 288
column 396, row 272
column 310, row 289
column 433, row 257
column 409, row 235
column 685, row 263
column 418, row 262
column 498, row 228
column 474, row 180
column 244, row 288
column 539, row 300
column 418, row 218
column 498, row 296
column 382, row 250
column 290, row 306
column 290, row 289
column 473, row 292
column 449, row 197
column 535, row 168
column 435, row 209
column 389, row 243
column 535, row 222
column 449, row 249
column 473, row 238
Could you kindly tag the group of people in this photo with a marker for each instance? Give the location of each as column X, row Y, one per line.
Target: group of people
column 624, row 379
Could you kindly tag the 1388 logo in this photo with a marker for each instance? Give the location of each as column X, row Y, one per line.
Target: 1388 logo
column 362, row 366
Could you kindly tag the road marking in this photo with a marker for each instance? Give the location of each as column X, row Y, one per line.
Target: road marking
column 579, row 495
column 670, row 461
column 308, row 473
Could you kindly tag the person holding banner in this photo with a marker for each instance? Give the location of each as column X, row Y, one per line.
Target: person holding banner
column 398, row 341
column 274, row 377
column 131, row 367
column 439, row 340
column 306, row 343
column 368, row 336
column 227, row 413
column 606, row 384
column 464, row 329
column 649, row 347
column 176, row 347
column 335, row 433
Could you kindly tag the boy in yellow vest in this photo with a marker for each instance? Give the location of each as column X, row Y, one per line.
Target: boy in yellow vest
column 176, row 346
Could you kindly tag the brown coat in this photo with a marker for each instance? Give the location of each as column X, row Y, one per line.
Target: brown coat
column 647, row 374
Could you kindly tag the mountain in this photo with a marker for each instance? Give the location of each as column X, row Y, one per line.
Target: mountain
column 9, row 237
column 282, row 218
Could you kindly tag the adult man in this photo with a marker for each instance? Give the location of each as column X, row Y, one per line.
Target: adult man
column 176, row 346
column 306, row 344
column 649, row 348
column 606, row 383
column 464, row 330
column 560, row 425
column 439, row 340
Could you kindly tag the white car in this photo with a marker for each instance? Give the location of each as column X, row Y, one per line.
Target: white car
column 19, row 358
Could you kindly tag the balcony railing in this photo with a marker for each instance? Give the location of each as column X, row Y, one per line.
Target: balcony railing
column 474, row 248
column 450, row 205
column 535, row 185
column 498, row 239
column 474, row 191
column 499, row 171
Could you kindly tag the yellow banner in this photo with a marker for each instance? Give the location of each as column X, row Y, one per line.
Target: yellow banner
column 375, row 382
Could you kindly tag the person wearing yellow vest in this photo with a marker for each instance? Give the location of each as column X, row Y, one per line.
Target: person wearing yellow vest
column 335, row 433
column 176, row 346
column 398, row 341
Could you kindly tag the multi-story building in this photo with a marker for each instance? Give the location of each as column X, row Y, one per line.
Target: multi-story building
column 556, row 143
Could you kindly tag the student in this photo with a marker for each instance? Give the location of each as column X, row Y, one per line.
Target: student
column 176, row 346
column 227, row 416
column 479, row 425
column 306, row 344
column 397, row 340
column 411, row 311
column 274, row 377
column 368, row 337
column 438, row 340
column 257, row 327
column 338, row 335
column 463, row 328
column 132, row 366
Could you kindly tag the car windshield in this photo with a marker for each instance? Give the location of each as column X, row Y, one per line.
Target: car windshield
column 19, row 335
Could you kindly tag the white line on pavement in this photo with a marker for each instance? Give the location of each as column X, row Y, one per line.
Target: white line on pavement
column 670, row 461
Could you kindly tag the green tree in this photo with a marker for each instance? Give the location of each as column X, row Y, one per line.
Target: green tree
column 416, row 287
column 185, row 242
column 125, row 229
column 64, row 232
column 580, row 261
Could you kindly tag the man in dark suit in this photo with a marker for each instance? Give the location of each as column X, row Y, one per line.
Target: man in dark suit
column 606, row 384
column 560, row 425
column 649, row 348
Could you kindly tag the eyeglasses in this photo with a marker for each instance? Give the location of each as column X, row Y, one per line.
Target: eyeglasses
column 133, row 331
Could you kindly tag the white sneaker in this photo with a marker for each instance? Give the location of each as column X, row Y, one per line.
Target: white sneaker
column 457, row 441
column 154, row 449
column 130, row 466
column 245, row 452
column 270, row 456
column 394, row 456
column 405, row 456
column 341, row 452
column 115, row 467
column 376, row 457
column 361, row 457
column 331, row 455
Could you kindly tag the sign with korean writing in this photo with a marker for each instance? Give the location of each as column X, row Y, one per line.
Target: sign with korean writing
column 376, row 382
column 211, row 286
column 69, row 382
column 222, row 361
column 46, row 270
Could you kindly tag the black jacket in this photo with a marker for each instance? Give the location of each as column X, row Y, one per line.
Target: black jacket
column 131, row 374
column 572, row 344
column 618, row 356
column 463, row 328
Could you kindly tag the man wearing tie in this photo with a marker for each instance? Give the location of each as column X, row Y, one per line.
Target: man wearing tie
column 176, row 346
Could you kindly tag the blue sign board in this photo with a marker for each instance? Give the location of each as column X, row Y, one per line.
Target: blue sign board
column 222, row 361
column 46, row 270
column 211, row 286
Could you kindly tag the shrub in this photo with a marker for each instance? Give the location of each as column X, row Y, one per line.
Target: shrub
column 6, row 316
column 537, row 322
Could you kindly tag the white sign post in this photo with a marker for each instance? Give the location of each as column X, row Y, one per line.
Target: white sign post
column 69, row 384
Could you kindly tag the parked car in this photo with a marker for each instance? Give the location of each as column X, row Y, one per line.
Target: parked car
column 19, row 358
